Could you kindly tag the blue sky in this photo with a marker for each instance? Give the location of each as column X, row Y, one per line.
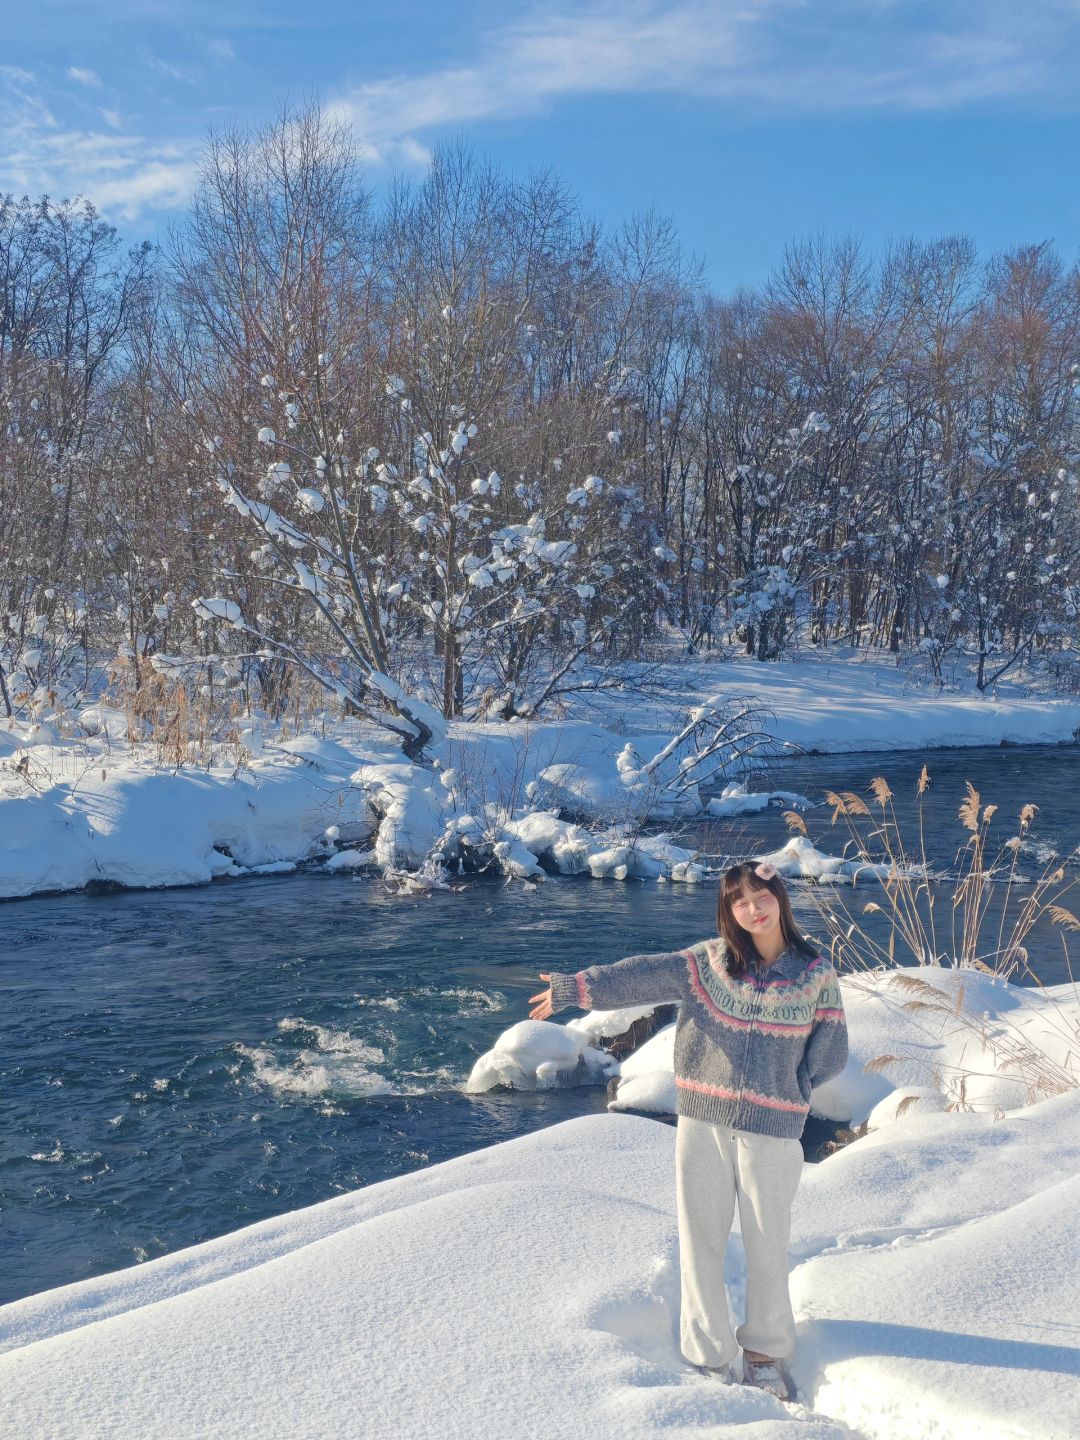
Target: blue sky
column 748, row 122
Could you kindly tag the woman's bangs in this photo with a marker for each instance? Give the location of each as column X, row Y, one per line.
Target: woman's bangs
column 735, row 886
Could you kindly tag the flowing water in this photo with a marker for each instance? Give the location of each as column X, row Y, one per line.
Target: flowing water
column 175, row 1064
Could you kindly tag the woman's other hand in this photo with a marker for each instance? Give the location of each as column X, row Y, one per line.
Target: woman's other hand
column 543, row 1010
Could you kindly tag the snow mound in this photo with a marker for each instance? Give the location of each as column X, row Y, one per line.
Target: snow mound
column 737, row 800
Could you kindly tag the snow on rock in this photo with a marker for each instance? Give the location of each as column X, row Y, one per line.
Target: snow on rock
column 560, row 844
column 515, row 858
column 598, row 1025
column 540, row 1054
column 647, row 1077
column 535, row 1055
column 412, row 812
column 624, row 862
column 220, row 863
column 94, row 719
column 352, row 860
column 737, row 800
column 801, row 858
column 905, row 1099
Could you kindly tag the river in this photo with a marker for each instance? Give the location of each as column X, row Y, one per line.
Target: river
column 175, row 1064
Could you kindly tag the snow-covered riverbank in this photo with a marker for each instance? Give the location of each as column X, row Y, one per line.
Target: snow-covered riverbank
column 93, row 808
column 531, row 1289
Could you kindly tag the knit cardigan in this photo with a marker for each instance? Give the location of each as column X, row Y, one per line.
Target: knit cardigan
column 748, row 1051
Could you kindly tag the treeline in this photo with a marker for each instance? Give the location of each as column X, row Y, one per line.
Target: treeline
column 462, row 443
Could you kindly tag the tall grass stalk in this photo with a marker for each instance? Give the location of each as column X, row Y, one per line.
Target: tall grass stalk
column 986, row 875
column 908, row 895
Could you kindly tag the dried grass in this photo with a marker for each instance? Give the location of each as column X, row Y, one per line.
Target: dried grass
column 908, row 901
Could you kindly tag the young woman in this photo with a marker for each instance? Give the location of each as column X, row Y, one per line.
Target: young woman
column 761, row 1023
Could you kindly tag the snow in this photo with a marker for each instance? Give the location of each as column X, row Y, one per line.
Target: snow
column 410, row 705
column 735, row 799
column 835, row 705
column 566, row 847
column 528, row 1056
column 411, row 812
column 554, row 794
column 217, row 609
column 624, row 862
column 120, row 821
column 531, row 1289
column 799, row 857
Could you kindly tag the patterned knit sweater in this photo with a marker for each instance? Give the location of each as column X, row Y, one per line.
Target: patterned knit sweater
column 747, row 1051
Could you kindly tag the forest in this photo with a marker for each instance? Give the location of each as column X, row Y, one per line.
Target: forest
column 459, row 452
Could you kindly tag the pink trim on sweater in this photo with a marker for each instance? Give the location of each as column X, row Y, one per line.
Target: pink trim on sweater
column 584, row 998
column 780, row 1027
column 826, row 1014
column 774, row 1102
column 699, row 989
column 733, row 1022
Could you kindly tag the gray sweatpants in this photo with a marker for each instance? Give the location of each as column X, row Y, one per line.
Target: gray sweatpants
column 713, row 1165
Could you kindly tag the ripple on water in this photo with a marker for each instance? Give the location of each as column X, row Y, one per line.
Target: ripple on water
column 483, row 1002
column 332, row 1062
column 318, row 1071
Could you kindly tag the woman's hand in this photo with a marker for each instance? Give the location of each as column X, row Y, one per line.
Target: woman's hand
column 543, row 1010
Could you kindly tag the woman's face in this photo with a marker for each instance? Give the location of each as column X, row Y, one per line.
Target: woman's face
column 757, row 911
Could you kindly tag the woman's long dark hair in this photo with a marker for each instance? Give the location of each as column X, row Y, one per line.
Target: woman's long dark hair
column 742, row 952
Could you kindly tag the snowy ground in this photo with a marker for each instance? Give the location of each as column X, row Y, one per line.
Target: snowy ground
column 530, row 1289
column 90, row 807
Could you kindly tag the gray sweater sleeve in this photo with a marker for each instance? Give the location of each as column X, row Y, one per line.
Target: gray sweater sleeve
column 638, row 980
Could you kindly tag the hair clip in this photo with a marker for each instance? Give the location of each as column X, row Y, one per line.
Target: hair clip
column 765, row 871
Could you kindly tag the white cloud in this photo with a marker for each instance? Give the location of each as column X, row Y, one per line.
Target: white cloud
column 16, row 75
column 184, row 74
column 220, row 49
column 122, row 174
column 84, row 77
column 113, row 119
column 152, row 184
column 786, row 56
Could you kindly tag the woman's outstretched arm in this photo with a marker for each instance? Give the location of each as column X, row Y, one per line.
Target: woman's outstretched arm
column 637, row 980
